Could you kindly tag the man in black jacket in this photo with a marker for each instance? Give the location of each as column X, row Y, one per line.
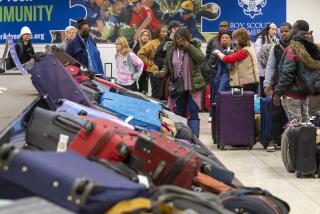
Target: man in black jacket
column 299, row 72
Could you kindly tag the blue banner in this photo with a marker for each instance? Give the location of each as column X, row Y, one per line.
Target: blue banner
column 42, row 16
column 253, row 15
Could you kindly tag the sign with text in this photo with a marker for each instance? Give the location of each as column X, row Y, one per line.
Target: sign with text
column 254, row 15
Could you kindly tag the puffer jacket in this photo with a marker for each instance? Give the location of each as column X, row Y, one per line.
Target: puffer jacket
column 196, row 58
column 299, row 70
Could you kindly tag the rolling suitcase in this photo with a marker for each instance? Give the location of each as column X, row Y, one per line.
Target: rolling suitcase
column 47, row 129
column 299, row 149
column 73, row 108
column 137, row 112
column 67, row 179
column 235, row 119
column 53, row 83
column 106, row 140
column 207, row 100
column 164, row 161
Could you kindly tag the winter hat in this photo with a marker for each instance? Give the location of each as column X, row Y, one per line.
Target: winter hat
column 186, row 7
column 173, row 24
column 132, row 3
column 25, row 30
column 228, row 32
column 70, row 28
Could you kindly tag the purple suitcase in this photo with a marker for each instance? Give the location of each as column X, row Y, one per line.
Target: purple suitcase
column 235, row 119
column 53, row 83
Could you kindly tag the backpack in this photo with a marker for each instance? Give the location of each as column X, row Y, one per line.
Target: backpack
column 264, row 54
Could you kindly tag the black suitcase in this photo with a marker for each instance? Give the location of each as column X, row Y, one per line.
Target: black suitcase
column 46, row 128
column 299, row 149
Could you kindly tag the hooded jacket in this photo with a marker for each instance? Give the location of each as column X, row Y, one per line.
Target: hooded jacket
column 300, row 68
column 196, row 58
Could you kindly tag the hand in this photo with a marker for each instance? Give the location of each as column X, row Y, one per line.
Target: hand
column 136, row 35
column 216, row 52
column 276, row 100
column 268, row 90
column 160, row 74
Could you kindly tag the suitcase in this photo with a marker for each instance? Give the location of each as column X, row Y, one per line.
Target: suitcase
column 253, row 201
column 47, row 129
column 53, row 83
column 137, row 112
column 235, row 119
column 73, row 108
column 207, row 100
column 299, row 149
column 164, row 161
column 106, row 140
column 67, row 179
column 33, row 205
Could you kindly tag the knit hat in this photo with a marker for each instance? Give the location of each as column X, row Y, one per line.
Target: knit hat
column 186, row 7
column 173, row 24
column 70, row 28
column 132, row 2
column 228, row 32
column 25, row 30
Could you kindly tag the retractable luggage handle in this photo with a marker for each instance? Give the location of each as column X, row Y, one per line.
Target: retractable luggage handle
column 70, row 123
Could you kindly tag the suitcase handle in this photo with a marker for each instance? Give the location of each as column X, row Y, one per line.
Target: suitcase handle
column 70, row 123
column 7, row 153
column 237, row 91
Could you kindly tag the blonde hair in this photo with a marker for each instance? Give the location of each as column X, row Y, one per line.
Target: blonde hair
column 143, row 31
column 125, row 46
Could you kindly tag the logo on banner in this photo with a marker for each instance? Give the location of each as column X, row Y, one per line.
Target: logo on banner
column 252, row 8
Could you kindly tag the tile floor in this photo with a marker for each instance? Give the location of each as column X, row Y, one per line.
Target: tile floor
column 266, row 170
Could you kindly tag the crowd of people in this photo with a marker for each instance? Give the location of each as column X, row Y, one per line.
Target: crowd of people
column 170, row 58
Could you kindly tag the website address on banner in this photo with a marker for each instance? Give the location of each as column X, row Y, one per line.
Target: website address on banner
column 39, row 36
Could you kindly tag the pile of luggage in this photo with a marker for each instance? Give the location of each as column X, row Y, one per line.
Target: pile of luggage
column 87, row 145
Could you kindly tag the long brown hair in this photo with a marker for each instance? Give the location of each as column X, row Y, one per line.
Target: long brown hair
column 143, row 31
column 243, row 37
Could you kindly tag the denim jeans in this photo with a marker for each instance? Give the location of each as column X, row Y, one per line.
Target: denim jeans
column 184, row 103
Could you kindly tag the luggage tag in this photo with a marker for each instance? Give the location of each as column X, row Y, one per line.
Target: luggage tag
column 143, row 180
column 63, row 143
column 128, row 119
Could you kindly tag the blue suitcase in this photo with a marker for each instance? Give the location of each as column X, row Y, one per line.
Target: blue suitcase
column 142, row 113
column 67, row 179
column 53, row 83
column 272, row 117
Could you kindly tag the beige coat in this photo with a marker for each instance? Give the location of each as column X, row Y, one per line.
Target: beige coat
column 245, row 71
column 147, row 52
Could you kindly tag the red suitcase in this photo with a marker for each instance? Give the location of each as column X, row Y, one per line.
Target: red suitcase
column 164, row 161
column 107, row 141
column 207, row 101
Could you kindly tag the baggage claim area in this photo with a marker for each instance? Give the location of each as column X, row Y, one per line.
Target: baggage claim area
column 77, row 140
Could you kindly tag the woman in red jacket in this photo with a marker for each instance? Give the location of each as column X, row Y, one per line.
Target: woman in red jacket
column 244, row 68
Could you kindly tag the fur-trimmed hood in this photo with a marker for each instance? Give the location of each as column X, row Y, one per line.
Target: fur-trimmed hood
column 195, row 42
column 308, row 52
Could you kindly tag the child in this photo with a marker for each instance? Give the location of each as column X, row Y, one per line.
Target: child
column 129, row 65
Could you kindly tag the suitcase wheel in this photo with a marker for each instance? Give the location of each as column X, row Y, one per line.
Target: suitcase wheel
column 220, row 147
column 302, row 175
column 250, row 147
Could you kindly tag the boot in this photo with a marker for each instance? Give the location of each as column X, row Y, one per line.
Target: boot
column 195, row 127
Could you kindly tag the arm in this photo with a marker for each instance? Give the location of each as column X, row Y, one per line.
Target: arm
column 160, row 55
column 232, row 58
column 212, row 60
column 137, row 62
column 270, row 69
column 100, row 26
column 287, row 75
column 196, row 54
column 144, row 54
column 258, row 45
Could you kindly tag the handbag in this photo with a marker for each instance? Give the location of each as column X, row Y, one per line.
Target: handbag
column 175, row 85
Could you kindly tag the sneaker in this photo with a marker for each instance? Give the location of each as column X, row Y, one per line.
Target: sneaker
column 209, row 119
column 271, row 147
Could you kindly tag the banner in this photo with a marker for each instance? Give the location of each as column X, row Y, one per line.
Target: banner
column 109, row 19
column 42, row 16
column 254, row 15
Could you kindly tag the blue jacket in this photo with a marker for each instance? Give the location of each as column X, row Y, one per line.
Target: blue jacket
column 191, row 24
column 77, row 49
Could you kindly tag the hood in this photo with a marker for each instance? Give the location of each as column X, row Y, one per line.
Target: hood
column 308, row 57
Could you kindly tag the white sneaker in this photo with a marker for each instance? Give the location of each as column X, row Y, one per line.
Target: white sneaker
column 209, row 119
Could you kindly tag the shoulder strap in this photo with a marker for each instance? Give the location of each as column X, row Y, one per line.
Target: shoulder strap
column 131, row 66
